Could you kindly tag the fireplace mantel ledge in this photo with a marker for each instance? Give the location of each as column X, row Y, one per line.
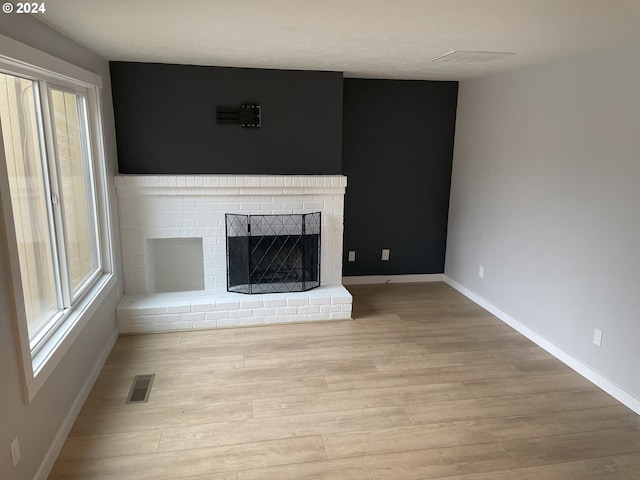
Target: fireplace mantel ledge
column 229, row 184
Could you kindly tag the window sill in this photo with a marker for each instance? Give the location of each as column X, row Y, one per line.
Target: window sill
column 48, row 357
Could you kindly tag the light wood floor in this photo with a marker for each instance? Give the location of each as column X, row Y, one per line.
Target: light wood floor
column 422, row 384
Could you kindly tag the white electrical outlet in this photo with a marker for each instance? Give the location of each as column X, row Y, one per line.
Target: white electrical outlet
column 352, row 255
column 597, row 337
column 15, row 452
column 385, row 254
column 481, row 271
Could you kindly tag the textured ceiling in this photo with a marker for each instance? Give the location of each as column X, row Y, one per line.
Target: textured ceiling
column 363, row 38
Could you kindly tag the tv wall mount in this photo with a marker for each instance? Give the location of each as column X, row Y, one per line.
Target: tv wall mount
column 248, row 115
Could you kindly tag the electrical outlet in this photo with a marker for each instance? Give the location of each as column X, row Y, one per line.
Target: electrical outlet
column 15, row 452
column 597, row 337
column 481, row 271
column 352, row 255
column 385, row 254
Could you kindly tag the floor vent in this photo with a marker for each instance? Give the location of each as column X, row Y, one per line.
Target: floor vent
column 140, row 388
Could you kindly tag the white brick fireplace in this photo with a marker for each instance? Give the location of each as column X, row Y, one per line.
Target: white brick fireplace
column 174, row 251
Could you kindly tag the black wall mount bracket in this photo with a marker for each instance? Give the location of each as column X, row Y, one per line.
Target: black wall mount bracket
column 249, row 115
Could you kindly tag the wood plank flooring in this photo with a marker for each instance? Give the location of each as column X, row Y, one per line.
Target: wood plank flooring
column 422, row 384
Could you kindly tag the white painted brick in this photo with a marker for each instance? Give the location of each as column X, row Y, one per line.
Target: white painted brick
column 171, row 215
column 180, row 326
column 240, row 313
column 192, row 317
column 227, row 305
column 213, row 316
column 293, row 206
column 203, row 223
column 204, row 207
column 340, row 300
column 309, row 309
column 330, row 308
column 252, row 321
column 136, row 321
column 206, row 324
column 286, row 310
column 168, row 318
column 312, row 206
column 339, row 316
column 297, row 301
column 185, row 207
column 319, row 300
column 203, row 307
column 268, row 320
column 197, row 215
column 143, row 320
column 178, row 309
column 251, row 303
column 271, row 191
column 201, row 198
column 177, row 223
column 250, row 207
column 272, row 206
column 229, row 322
column 275, row 302
column 138, row 312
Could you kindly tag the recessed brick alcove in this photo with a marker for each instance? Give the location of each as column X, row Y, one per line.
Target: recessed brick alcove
column 190, row 209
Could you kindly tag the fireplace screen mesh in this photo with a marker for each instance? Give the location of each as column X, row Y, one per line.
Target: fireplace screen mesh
column 273, row 253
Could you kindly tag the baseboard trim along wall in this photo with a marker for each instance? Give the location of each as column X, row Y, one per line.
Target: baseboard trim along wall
column 58, row 442
column 585, row 370
column 380, row 279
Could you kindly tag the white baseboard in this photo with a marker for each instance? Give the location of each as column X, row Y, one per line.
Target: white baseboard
column 381, row 279
column 583, row 369
column 58, row 442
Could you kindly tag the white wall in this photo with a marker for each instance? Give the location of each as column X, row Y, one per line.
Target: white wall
column 37, row 424
column 546, row 196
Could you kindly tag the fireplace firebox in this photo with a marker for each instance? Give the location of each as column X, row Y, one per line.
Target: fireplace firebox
column 273, row 253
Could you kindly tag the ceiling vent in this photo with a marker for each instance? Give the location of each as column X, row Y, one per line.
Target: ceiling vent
column 461, row 56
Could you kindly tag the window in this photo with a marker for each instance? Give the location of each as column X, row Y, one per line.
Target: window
column 54, row 205
column 52, row 198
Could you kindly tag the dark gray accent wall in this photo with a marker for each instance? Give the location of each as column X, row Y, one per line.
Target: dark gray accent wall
column 165, row 120
column 397, row 151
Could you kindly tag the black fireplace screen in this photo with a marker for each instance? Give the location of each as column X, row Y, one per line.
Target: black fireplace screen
column 273, row 253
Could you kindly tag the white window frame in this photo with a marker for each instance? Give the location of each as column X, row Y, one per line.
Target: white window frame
column 22, row 60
